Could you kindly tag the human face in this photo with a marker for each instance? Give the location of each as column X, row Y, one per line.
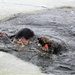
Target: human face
column 24, row 41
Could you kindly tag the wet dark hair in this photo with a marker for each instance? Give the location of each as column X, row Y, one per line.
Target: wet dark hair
column 41, row 41
column 26, row 33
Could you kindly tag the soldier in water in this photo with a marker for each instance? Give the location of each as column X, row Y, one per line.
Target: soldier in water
column 23, row 37
column 54, row 46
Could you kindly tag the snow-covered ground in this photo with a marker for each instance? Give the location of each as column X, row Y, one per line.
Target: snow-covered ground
column 10, row 65
column 10, row 7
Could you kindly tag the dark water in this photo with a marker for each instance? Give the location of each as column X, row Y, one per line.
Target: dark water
column 58, row 23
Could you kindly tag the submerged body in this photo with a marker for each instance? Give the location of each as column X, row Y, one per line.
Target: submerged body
column 22, row 37
column 51, row 45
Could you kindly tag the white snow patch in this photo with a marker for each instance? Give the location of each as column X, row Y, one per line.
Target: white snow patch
column 11, row 65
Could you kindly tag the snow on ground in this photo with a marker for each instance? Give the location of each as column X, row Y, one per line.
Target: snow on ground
column 10, row 65
column 10, row 7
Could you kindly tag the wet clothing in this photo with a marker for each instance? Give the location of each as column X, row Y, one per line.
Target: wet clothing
column 51, row 45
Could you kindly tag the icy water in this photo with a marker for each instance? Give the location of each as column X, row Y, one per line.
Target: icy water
column 58, row 23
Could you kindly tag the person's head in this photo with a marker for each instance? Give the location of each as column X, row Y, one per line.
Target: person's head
column 24, row 35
